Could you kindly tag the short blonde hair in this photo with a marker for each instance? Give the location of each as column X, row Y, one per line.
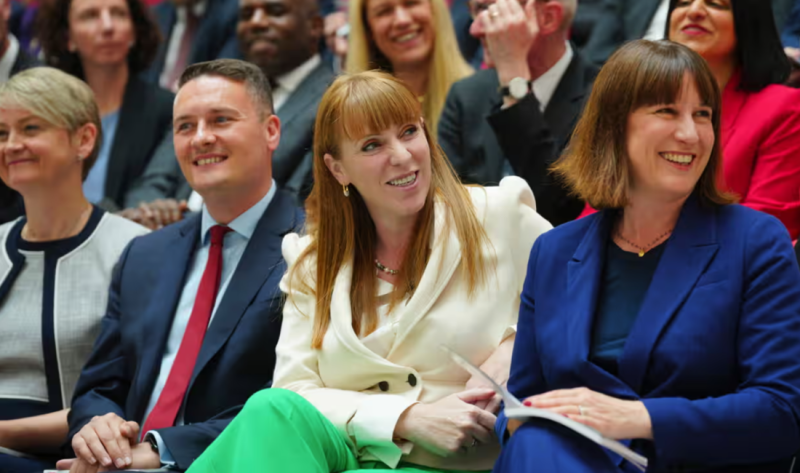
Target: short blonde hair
column 447, row 64
column 56, row 97
column 642, row 73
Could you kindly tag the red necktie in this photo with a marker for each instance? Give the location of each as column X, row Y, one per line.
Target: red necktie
column 169, row 402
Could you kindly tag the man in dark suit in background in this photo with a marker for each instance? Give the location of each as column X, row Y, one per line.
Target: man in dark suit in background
column 489, row 133
column 282, row 38
column 194, row 31
column 13, row 59
column 196, row 307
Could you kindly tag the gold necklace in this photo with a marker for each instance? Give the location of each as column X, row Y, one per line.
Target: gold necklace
column 643, row 249
column 383, row 268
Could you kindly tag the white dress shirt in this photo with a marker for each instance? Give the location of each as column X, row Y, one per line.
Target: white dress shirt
column 174, row 42
column 659, row 22
column 9, row 58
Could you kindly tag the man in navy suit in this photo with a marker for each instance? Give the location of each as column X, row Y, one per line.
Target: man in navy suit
column 194, row 31
column 194, row 309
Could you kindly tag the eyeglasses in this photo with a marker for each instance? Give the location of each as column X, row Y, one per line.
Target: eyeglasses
column 476, row 7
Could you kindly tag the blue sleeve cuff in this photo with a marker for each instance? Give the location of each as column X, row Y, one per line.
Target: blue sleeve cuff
column 166, row 457
column 501, row 427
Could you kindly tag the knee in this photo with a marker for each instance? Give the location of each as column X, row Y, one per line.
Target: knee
column 273, row 400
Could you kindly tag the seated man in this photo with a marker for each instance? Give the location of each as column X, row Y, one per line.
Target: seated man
column 488, row 134
column 194, row 311
column 299, row 78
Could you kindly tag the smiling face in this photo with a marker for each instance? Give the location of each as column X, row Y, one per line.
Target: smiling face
column 402, row 30
column 669, row 145
column 35, row 154
column 223, row 141
column 390, row 169
column 101, row 31
column 706, row 26
column 278, row 35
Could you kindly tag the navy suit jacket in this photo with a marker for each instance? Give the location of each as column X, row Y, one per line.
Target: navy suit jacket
column 714, row 353
column 215, row 37
column 238, row 353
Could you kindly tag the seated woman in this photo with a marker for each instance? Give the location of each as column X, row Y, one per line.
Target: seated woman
column 55, row 261
column 399, row 259
column 671, row 317
column 107, row 43
column 414, row 41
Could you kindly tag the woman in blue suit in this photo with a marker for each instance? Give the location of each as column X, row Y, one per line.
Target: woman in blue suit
column 670, row 320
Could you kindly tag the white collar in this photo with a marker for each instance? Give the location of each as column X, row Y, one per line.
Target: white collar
column 290, row 81
column 9, row 58
column 545, row 86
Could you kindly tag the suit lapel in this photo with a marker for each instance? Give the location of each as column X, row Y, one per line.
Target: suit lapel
column 176, row 257
column 444, row 260
column 260, row 259
column 642, row 13
column 310, row 89
column 686, row 256
column 126, row 138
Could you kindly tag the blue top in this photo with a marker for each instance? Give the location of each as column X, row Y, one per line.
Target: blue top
column 234, row 244
column 94, row 187
column 626, row 278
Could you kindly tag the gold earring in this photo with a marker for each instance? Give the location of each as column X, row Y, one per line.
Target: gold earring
column 346, row 190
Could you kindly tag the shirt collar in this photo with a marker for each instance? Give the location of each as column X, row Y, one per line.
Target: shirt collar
column 245, row 224
column 290, row 81
column 198, row 9
column 9, row 58
column 545, row 86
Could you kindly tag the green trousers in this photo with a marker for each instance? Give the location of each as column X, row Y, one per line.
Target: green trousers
column 278, row 431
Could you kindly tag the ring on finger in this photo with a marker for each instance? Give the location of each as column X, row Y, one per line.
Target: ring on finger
column 493, row 11
column 581, row 411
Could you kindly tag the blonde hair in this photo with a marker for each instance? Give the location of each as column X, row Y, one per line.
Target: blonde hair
column 56, row 97
column 342, row 228
column 447, row 65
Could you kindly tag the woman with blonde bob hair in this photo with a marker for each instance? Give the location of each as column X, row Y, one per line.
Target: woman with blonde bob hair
column 670, row 318
column 399, row 259
column 55, row 261
column 414, row 40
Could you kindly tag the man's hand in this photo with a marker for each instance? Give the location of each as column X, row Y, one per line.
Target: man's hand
column 157, row 214
column 144, row 458
column 510, row 31
column 106, row 440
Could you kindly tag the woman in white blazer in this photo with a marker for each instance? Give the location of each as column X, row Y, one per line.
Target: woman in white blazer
column 399, row 260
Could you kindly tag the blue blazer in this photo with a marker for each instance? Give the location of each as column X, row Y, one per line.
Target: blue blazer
column 714, row 353
column 237, row 357
column 215, row 37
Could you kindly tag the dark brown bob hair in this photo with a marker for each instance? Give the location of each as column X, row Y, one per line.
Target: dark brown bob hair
column 52, row 25
column 640, row 74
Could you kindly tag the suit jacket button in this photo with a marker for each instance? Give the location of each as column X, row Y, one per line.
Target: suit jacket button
column 412, row 380
column 384, row 386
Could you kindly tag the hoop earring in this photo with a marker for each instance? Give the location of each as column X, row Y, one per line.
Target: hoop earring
column 346, row 190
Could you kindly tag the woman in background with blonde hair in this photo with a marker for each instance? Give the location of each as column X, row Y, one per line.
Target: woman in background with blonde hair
column 414, row 40
column 399, row 259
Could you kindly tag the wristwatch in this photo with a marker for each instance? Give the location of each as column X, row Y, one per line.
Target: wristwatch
column 517, row 88
column 153, row 443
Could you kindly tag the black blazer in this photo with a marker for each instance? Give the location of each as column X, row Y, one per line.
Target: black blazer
column 10, row 201
column 292, row 162
column 618, row 21
column 145, row 115
column 237, row 356
column 215, row 37
column 479, row 137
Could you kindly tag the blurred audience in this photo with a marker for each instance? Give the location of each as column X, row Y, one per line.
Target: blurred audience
column 760, row 118
column 13, row 59
column 517, row 117
column 56, row 261
column 670, row 319
column 371, row 293
column 282, row 38
column 194, row 31
column 107, row 43
column 414, row 41
column 791, row 33
column 194, row 311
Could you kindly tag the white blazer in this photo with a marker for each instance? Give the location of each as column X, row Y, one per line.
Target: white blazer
column 352, row 385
